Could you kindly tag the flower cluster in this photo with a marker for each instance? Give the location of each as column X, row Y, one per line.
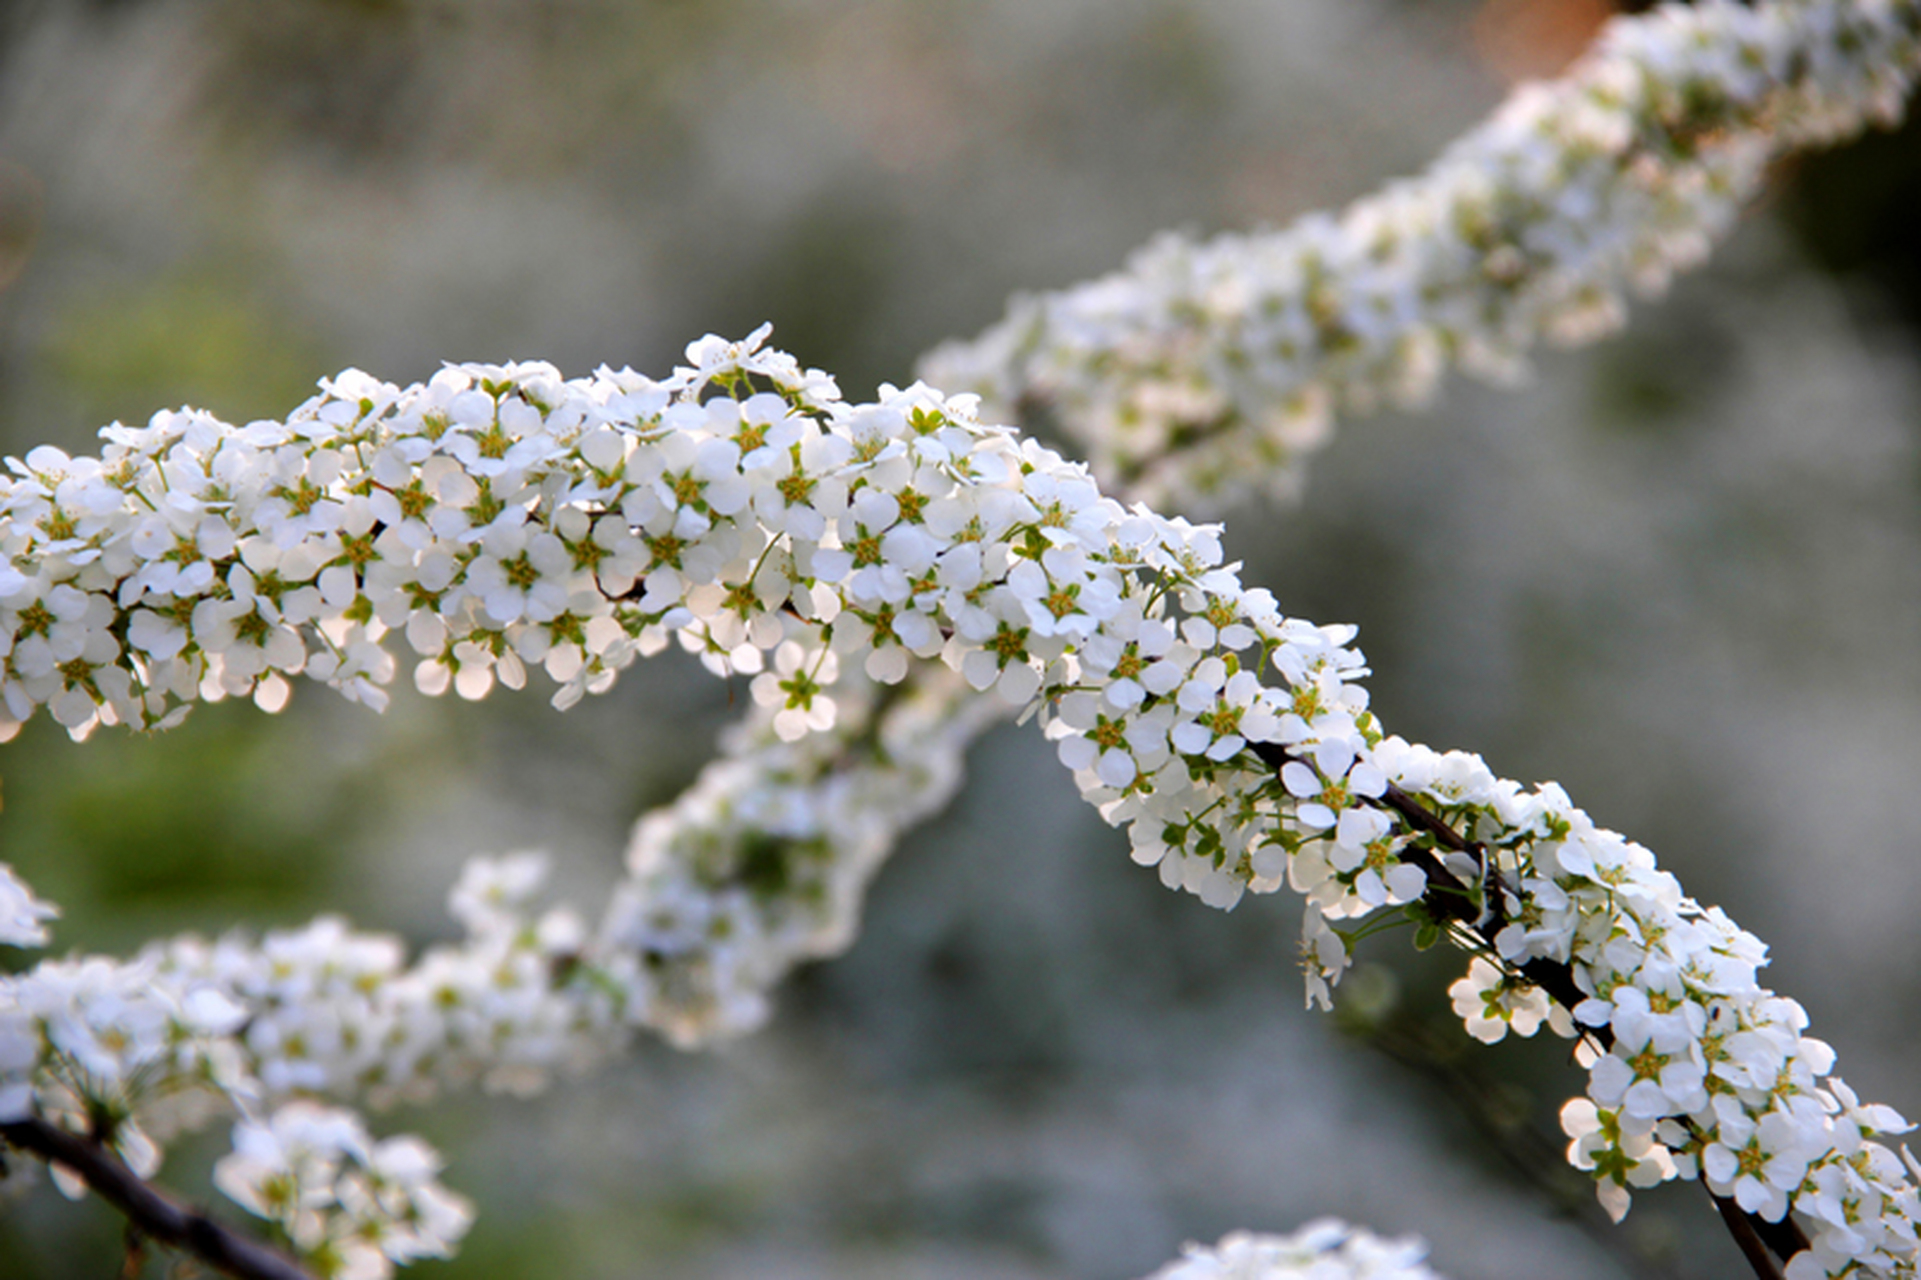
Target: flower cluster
column 110, row 1049
column 351, row 1207
column 189, row 1029
column 1322, row 1250
column 869, row 568
column 333, row 1010
column 128, row 1054
column 1204, row 370
column 497, row 517
column 1694, row 1068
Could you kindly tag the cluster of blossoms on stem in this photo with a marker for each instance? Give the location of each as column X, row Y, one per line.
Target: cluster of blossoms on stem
column 1325, row 1249
column 352, row 1207
column 869, row 568
column 499, row 517
column 1694, row 1068
column 764, row 861
column 1204, row 370
column 131, row 1053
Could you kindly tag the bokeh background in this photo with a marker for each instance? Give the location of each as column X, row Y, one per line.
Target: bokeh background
column 1680, row 572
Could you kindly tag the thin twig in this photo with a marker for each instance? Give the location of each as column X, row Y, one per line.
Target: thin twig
column 1527, row 1151
column 153, row 1212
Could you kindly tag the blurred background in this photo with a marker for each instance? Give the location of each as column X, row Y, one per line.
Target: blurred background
column 1680, row 572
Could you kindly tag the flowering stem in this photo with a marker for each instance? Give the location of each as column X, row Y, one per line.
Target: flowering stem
column 994, row 554
column 151, row 1211
column 1448, row 899
column 1203, row 371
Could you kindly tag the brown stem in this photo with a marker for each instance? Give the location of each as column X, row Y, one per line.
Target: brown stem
column 153, row 1212
column 1742, row 1226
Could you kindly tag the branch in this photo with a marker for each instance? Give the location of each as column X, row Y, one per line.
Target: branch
column 1204, row 371
column 782, row 535
column 155, row 1213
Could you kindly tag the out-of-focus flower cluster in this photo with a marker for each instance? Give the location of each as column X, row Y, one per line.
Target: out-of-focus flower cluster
column 1204, row 370
column 352, row 1207
column 116, row 1050
column 765, row 860
column 1322, row 1250
column 129, row 1054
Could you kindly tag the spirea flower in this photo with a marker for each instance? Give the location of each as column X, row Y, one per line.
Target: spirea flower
column 351, row 1207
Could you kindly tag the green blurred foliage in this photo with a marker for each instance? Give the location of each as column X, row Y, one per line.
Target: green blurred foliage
column 209, row 827
column 196, row 338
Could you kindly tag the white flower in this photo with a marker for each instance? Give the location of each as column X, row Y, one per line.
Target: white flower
column 1322, row 1250
column 1758, row 1162
column 21, row 913
column 1324, row 956
column 491, row 892
column 796, row 689
column 1619, row 1158
column 350, row 1206
column 1491, row 1004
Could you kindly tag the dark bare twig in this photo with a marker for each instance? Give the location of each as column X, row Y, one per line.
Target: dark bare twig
column 1531, row 1154
column 150, row 1211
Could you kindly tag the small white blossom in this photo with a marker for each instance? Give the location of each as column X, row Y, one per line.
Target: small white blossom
column 21, row 913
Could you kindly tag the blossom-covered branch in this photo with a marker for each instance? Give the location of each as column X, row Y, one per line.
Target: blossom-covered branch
column 1545, row 135
column 1205, row 370
column 500, row 516
column 1689, row 102
column 756, row 780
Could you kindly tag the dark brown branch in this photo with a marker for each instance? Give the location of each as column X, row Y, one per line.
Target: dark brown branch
column 152, row 1212
column 1508, row 1134
column 1744, row 1227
